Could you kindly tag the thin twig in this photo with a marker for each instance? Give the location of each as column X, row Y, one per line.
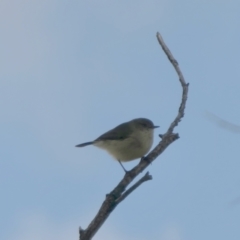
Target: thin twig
column 182, row 81
column 145, row 178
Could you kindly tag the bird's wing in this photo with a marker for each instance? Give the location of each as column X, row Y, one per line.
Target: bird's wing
column 120, row 132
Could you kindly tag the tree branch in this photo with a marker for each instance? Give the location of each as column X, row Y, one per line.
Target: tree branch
column 119, row 193
column 145, row 178
column 182, row 81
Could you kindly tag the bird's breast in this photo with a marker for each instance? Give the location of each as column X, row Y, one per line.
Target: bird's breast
column 133, row 147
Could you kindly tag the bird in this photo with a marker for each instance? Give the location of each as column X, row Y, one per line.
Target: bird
column 128, row 141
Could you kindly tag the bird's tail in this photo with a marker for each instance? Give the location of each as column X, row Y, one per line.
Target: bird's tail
column 84, row 144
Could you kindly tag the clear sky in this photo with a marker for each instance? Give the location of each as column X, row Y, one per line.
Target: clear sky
column 71, row 70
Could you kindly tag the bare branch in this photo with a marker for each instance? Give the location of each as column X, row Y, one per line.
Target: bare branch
column 111, row 200
column 182, row 81
column 145, row 178
column 119, row 193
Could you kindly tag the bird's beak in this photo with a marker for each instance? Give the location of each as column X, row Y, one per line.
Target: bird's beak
column 156, row 126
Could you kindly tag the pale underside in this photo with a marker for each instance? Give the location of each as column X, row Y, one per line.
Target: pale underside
column 130, row 148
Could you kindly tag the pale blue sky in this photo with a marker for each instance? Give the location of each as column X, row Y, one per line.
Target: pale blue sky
column 71, row 70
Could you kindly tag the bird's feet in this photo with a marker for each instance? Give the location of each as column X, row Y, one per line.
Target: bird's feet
column 145, row 159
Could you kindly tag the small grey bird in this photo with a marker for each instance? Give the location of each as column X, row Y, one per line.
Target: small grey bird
column 128, row 141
